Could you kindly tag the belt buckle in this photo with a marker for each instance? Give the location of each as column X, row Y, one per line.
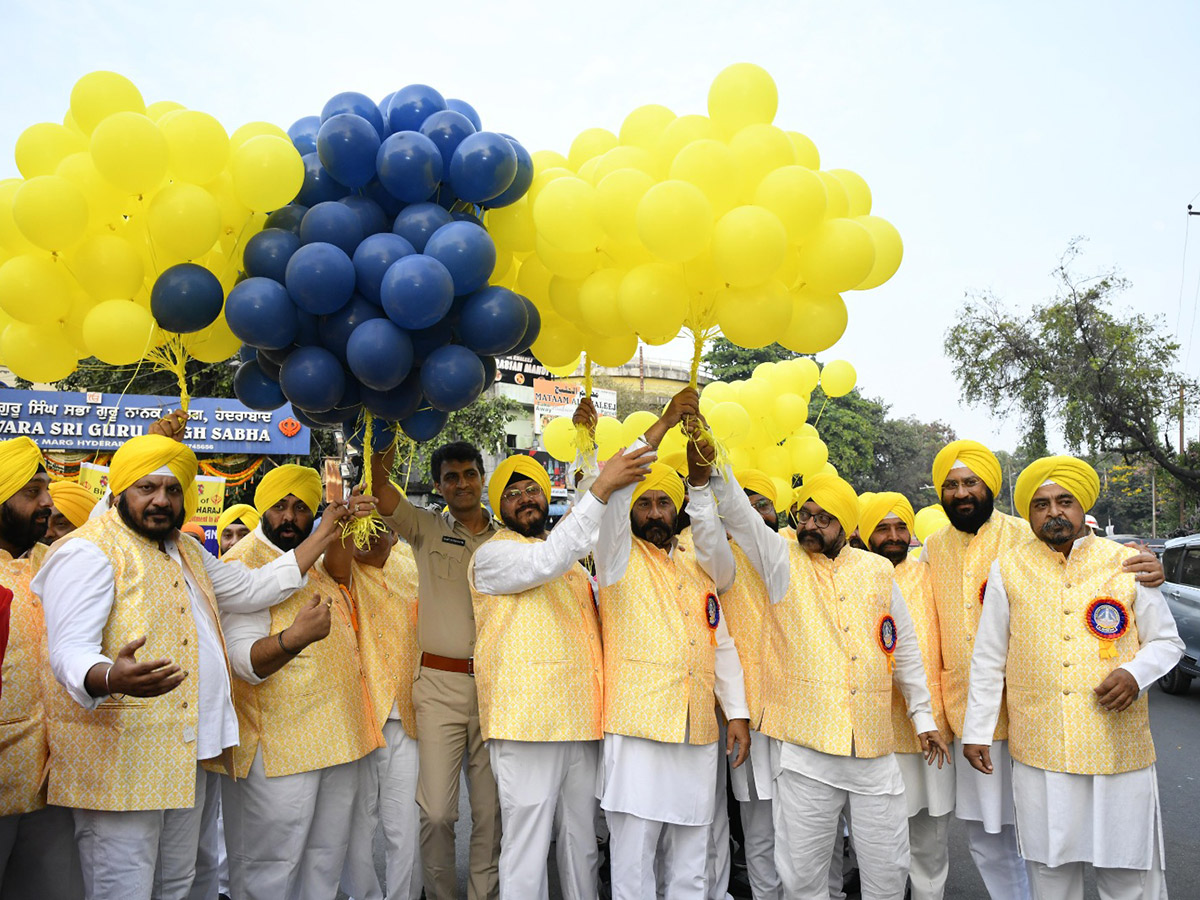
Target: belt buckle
column 471, row 666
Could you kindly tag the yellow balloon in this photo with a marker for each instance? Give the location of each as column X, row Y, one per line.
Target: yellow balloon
column 565, row 369
column 730, row 423
column 558, row 341
column 748, row 246
column 710, row 166
column 107, row 267
column 118, row 332
column 611, row 351
column 836, row 195
column 806, row 430
column 653, row 299
column 98, row 95
column 889, row 250
column 159, row 108
column 791, row 410
column 818, row 321
column 623, row 157
column 130, row 151
column 617, row 197
column 754, row 317
column 587, row 171
column 609, row 435
column 858, row 192
column 679, row 133
column 565, row 263
column 51, row 212
column 106, row 202
column 214, row 344
column 718, row 392
column 838, row 378
column 775, row 461
column 797, row 197
column 742, row 94
column 35, row 289
column 674, row 220
column 548, row 159
column 234, row 213
column 565, row 215
column 644, row 126
column 809, row 455
column 267, row 172
column 41, row 147
column 251, row 130
column 534, row 280
column 589, row 144
column 558, row 437
column 511, row 227
column 756, row 397
column 184, row 220
column 598, row 304
column 543, row 177
column 929, row 520
column 799, row 375
column 636, row 424
column 81, row 305
column 839, row 256
column 806, row 150
column 564, row 297
column 504, row 267
column 42, row 354
column 758, row 150
column 197, row 145
column 11, row 239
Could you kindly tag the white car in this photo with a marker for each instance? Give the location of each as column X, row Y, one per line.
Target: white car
column 1181, row 564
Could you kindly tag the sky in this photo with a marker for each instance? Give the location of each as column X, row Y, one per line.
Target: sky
column 991, row 134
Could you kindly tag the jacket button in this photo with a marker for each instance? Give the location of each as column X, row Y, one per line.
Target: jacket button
column 1066, row 663
column 185, row 640
column 692, row 642
column 176, row 582
column 1066, row 637
column 1065, row 692
column 853, row 691
column 185, row 704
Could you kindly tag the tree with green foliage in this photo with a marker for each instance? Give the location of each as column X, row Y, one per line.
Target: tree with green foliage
column 482, row 424
column 726, row 361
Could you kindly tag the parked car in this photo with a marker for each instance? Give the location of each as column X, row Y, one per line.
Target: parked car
column 1181, row 564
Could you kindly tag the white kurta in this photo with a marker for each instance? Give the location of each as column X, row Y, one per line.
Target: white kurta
column 1111, row 821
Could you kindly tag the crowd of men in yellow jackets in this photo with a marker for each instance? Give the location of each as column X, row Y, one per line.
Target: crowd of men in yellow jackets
column 177, row 726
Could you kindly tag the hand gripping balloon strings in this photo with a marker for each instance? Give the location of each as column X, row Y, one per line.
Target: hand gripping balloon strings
column 362, row 531
column 585, row 441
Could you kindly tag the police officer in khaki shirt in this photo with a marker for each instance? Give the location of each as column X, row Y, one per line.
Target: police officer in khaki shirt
column 444, row 697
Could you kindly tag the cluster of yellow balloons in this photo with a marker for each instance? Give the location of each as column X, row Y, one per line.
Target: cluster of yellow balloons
column 723, row 221
column 560, row 437
column 108, row 200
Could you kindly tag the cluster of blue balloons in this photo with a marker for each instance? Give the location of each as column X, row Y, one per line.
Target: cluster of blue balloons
column 370, row 292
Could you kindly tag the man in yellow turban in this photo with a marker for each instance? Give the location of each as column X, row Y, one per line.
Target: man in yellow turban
column 235, row 523
column 1084, row 786
column 73, row 503
column 135, row 637
column 38, row 856
column 539, row 671
column 838, row 625
column 668, row 660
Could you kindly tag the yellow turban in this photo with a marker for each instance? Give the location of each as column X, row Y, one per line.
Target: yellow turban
column 929, row 520
column 303, row 482
column 20, row 460
column 834, row 495
column 874, row 508
column 758, row 482
column 520, row 464
column 73, row 500
column 972, row 454
column 662, row 478
column 1073, row 475
column 244, row 512
column 142, row 456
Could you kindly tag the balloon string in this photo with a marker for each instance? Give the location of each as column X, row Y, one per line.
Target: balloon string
column 585, row 441
column 817, row 421
column 698, row 338
column 172, row 357
column 362, row 531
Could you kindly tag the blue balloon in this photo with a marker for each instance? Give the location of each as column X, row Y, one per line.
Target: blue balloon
column 370, row 216
column 337, row 327
column 412, row 105
column 464, row 216
column 416, row 291
column 351, row 396
column 255, row 388
column 409, row 166
column 309, row 331
column 346, row 146
column 275, row 356
column 382, row 106
column 312, row 379
column 268, row 252
column 390, row 205
column 319, row 185
column 484, row 164
column 462, row 106
column 417, row 222
column 466, row 251
column 186, row 298
column 447, row 129
column 493, row 321
column 287, row 218
column 269, row 366
column 429, row 339
column 246, row 353
column 489, row 370
column 260, row 312
column 379, row 354
column 531, row 329
column 332, row 222
column 320, row 278
column 307, row 420
column 355, row 104
column 424, row 425
column 521, row 181
column 373, row 258
column 383, row 433
column 398, row 403
column 304, row 134
column 452, row 378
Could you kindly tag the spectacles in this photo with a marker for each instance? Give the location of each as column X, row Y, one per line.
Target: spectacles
column 823, row 519
column 967, row 484
column 763, row 504
column 532, row 490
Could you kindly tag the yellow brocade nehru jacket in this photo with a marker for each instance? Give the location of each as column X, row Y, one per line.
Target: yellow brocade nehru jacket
column 959, row 564
column 1055, row 721
column 137, row 753
column 659, row 654
column 826, row 683
column 387, row 633
column 538, row 662
column 913, row 578
column 745, row 606
column 316, row 711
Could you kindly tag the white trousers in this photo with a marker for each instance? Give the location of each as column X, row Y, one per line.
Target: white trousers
column 212, row 868
column 1004, row 872
column 929, row 854
column 634, row 851
column 547, row 791
column 38, row 856
column 1066, row 882
column 806, row 815
column 719, row 863
column 134, row 855
column 288, row 836
column 759, row 832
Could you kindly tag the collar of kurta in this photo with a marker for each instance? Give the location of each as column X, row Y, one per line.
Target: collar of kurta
column 258, row 533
